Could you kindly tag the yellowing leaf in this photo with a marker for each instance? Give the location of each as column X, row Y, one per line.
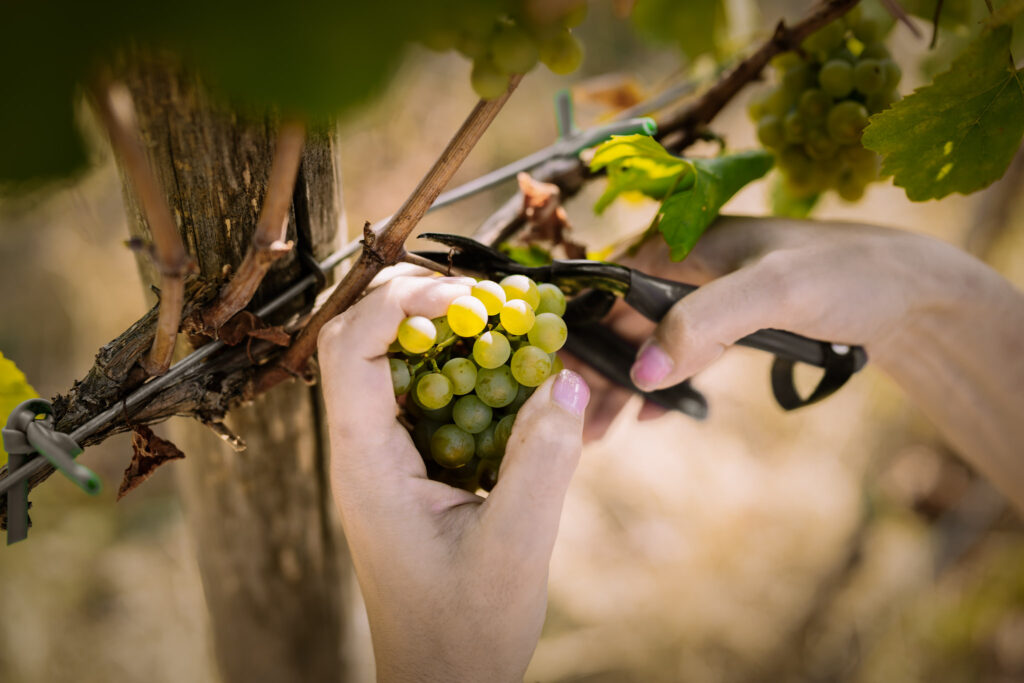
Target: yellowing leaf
column 14, row 388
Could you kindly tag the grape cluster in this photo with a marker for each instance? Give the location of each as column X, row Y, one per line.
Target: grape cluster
column 464, row 376
column 505, row 37
column 814, row 117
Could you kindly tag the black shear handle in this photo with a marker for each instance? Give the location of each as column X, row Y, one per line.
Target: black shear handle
column 653, row 297
column 612, row 356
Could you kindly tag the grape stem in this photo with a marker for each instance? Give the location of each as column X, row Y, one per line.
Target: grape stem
column 387, row 247
column 113, row 104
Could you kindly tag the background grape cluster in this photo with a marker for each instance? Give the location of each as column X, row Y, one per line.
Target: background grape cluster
column 813, row 118
column 464, row 377
column 505, row 37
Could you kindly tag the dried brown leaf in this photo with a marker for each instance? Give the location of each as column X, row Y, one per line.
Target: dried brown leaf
column 149, row 451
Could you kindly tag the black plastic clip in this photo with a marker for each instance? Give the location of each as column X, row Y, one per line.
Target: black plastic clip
column 29, row 433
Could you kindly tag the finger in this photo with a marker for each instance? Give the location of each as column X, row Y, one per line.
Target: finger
column 357, row 387
column 541, row 456
column 700, row 326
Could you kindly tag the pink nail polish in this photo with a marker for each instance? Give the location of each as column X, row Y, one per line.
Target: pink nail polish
column 652, row 365
column 571, row 392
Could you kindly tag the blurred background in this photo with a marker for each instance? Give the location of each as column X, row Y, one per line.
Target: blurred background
column 841, row 542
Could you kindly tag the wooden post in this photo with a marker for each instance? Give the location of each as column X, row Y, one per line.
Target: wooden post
column 273, row 561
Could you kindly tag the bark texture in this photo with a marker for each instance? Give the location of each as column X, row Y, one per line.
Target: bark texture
column 270, row 553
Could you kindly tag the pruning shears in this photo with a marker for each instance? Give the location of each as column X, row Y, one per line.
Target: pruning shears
column 597, row 284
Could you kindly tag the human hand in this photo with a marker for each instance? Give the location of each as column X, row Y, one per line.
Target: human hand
column 455, row 585
column 840, row 282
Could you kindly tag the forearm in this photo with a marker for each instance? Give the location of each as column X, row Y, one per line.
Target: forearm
column 959, row 357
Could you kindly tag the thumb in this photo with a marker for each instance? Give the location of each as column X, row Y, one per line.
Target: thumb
column 699, row 327
column 539, row 462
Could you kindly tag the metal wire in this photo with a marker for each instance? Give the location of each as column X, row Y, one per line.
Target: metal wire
column 564, row 147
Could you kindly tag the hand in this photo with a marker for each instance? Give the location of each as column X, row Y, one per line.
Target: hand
column 839, row 282
column 943, row 325
column 455, row 585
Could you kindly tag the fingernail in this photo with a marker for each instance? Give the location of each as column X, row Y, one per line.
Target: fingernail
column 571, row 392
column 652, row 365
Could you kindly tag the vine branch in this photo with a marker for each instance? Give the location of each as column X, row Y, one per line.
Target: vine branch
column 386, row 249
column 117, row 114
column 268, row 241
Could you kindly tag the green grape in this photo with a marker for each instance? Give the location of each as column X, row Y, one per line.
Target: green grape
column 496, row 387
column 487, row 474
column 444, row 330
column 869, row 76
column 556, row 363
column 844, row 54
column 826, row 38
column 491, row 295
column 880, row 101
column 794, row 128
column 469, row 45
column 416, row 334
column 867, row 30
column 851, row 189
column 785, row 61
column 530, row 365
column 893, row 73
column 513, row 51
column 440, row 40
column 440, row 415
column 421, row 433
column 461, row 372
column 836, row 78
column 522, row 395
column 552, row 300
column 846, row 120
column 875, row 51
column 561, row 53
column 467, row 316
column 863, row 163
column 521, row 287
column 814, row 104
column 502, row 432
column 451, row 447
column 471, row 414
column 796, row 80
column 491, row 349
column 401, row 380
column 770, row 132
column 548, row 332
column 517, row 317
column 487, row 79
column 486, row 447
column 575, row 15
column 434, row 390
column 819, row 146
column 796, row 162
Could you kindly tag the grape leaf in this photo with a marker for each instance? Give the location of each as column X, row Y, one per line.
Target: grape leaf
column 14, row 388
column 637, row 163
column 685, row 215
column 959, row 133
column 691, row 190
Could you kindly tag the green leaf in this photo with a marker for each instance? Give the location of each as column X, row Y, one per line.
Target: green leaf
column 959, row 133
column 528, row 255
column 686, row 214
column 637, row 163
column 14, row 388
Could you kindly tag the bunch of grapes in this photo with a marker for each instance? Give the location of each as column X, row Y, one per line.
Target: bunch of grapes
column 464, row 376
column 505, row 37
column 814, row 117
